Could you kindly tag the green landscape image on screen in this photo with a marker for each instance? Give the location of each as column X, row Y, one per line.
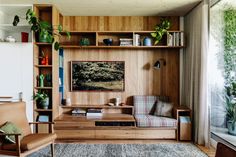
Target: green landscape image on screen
column 97, row 75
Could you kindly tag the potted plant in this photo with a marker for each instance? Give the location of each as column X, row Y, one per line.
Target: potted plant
column 42, row 100
column 231, row 108
column 46, row 32
column 160, row 30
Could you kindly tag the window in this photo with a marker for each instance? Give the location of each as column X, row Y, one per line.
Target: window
column 222, row 70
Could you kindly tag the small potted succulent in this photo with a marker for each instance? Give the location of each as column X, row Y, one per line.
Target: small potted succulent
column 42, row 100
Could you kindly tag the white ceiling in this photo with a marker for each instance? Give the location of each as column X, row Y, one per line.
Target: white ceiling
column 116, row 7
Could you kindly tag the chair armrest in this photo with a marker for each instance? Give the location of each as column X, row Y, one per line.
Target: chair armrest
column 36, row 123
column 39, row 123
column 10, row 134
column 17, row 139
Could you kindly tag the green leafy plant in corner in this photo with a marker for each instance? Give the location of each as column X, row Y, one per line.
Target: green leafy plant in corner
column 230, row 64
column 231, row 103
column 46, row 31
column 160, row 30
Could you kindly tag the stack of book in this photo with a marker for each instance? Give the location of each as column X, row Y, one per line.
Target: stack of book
column 175, row 39
column 126, row 42
column 79, row 112
column 94, row 112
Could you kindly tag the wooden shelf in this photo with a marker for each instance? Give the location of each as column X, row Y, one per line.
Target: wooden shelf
column 96, row 39
column 120, row 47
column 97, row 106
column 43, row 66
column 105, row 118
column 43, row 87
column 43, row 110
column 39, row 43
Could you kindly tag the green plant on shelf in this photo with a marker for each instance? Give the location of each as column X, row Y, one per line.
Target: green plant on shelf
column 45, row 30
column 42, row 99
column 160, row 30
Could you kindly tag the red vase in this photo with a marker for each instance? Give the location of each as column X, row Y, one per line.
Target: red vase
column 24, row 37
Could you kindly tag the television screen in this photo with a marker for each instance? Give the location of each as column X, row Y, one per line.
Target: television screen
column 97, row 75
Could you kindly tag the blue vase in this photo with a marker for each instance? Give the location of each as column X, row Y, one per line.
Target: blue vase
column 147, row 41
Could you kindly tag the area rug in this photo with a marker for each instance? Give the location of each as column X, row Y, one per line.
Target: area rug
column 122, row 150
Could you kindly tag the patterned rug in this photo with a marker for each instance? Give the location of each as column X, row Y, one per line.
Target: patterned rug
column 122, row 150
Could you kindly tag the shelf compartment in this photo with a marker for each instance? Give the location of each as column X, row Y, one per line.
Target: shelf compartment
column 115, row 36
column 76, row 37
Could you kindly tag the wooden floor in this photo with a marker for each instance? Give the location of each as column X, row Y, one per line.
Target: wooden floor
column 209, row 151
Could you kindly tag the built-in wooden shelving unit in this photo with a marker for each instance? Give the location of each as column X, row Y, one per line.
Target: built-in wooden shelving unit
column 96, row 39
column 48, row 68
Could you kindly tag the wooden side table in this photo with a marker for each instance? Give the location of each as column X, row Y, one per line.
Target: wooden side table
column 184, row 130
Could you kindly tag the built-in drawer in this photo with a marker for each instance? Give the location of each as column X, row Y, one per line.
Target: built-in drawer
column 115, row 134
column 75, row 134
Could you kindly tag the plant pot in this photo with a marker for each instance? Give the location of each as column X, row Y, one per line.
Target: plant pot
column 45, row 37
column 231, row 128
column 43, row 104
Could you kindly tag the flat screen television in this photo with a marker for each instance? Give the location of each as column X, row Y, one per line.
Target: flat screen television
column 97, row 75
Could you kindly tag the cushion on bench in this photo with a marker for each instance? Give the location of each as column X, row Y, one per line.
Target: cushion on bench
column 144, row 104
column 155, row 121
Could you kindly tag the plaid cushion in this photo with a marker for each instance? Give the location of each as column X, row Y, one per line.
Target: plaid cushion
column 144, row 104
column 154, row 121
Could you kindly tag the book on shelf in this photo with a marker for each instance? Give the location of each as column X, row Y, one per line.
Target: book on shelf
column 181, row 38
column 94, row 113
column 175, row 39
column 169, row 39
column 126, row 42
column 79, row 110
column 137, row 40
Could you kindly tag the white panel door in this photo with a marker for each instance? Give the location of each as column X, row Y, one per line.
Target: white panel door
column 16, row 72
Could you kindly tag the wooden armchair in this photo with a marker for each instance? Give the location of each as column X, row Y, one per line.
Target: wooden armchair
column 30, row 142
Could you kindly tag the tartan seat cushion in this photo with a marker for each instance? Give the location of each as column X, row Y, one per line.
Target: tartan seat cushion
column 155, row 121
column 144, row 104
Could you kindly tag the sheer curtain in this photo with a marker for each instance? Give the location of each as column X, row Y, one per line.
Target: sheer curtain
column 194, row 82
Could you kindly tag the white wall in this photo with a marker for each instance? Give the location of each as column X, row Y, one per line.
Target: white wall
column 16, row 72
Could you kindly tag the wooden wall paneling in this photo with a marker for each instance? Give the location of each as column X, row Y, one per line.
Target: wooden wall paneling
column 140, row 77
column 115, row 23
column 55, row 70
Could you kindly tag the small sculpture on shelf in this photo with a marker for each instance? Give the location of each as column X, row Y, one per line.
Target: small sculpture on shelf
column 48, row 78
column 43, row 59
column 84, row 42
column 41, row 80
column 108, row 41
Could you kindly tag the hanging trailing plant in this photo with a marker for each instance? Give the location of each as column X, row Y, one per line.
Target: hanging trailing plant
column 160, row 30
column 45, row 30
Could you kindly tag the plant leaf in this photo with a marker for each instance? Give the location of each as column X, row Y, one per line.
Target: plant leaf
column 153, row 35
column 68, row 34
column 156, row 42
column 56, row 46
column 16, row 20
column 59, row 28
